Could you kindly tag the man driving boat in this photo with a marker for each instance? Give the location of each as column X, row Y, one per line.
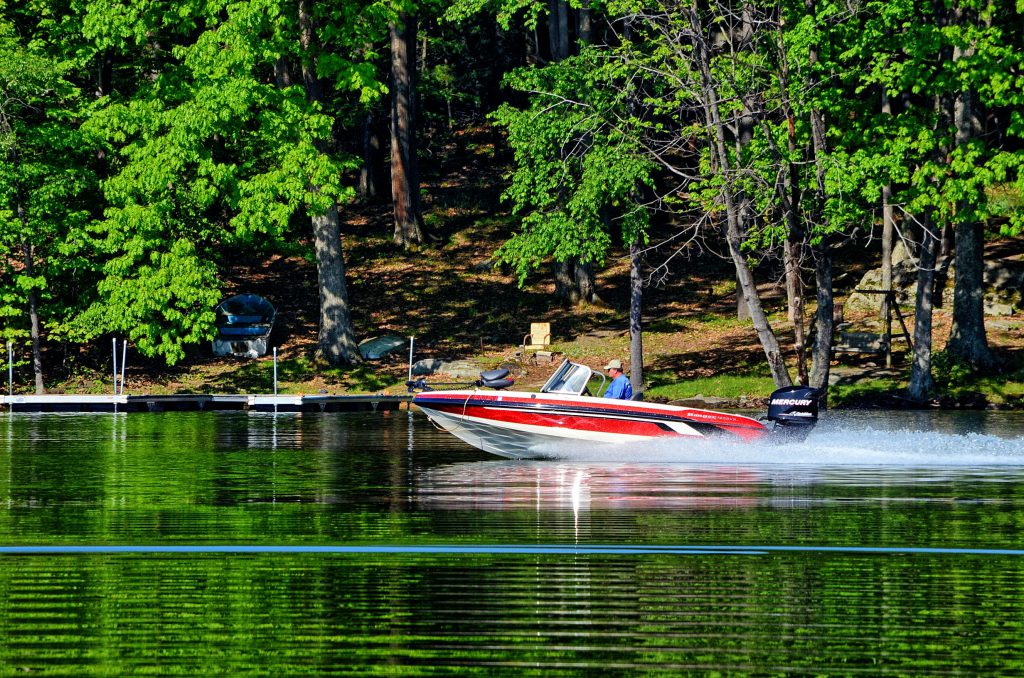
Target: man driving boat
column 620, row 387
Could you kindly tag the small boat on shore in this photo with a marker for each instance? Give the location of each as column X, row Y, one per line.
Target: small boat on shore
column 524, row 425
column 244, row 323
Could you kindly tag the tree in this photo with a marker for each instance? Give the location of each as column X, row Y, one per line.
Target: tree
column 44, row 177
column 921, row 381
column 948, row 69
column 967, row 340
column 578, row 169
column 821, row 241
column 636, row 335
column 336, row 341
column 217, row 151
column 574, row 272
column 702, row 68
column 405, row 184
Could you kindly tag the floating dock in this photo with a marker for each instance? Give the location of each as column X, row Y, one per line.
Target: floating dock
column 185, row 402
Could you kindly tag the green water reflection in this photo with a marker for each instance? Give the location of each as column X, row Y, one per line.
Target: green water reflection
column 386, row 480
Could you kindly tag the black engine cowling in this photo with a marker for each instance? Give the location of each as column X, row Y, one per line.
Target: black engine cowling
column 794, row 410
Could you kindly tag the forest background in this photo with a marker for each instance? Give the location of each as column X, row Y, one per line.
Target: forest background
column 708, row 177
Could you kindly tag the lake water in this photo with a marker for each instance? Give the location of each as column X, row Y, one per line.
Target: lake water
column 199, row 543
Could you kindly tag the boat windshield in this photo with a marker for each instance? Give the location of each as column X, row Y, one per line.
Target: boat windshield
column 568, row 378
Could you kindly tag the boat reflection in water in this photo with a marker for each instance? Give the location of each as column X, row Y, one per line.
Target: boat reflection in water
column 544, row 485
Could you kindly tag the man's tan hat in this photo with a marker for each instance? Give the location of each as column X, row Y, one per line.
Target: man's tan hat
column 614, row 365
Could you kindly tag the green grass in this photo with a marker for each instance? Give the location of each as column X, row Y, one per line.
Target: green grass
column 694, row 323
column 1005, row 199
column 720, row 386
column 840, row 395
column 997, row 390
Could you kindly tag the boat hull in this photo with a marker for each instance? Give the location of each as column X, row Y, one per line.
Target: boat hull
column 530, row 425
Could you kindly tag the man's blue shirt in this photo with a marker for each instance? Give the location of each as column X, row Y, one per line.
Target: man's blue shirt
column 620, row 388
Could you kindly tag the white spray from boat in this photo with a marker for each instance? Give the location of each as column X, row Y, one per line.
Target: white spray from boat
column 838, row 441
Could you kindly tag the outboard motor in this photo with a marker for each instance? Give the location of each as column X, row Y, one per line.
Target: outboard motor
column 496, row 379
column 793, row 411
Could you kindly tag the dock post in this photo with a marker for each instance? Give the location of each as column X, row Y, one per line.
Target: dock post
column 275, row 380
column 412, row 340
column 124, row 359
column 10, row 369
column 115, row 374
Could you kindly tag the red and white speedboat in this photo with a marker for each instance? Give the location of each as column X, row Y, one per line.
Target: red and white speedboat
column 524, row 425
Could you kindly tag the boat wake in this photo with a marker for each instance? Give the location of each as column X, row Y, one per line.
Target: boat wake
column 838, row 444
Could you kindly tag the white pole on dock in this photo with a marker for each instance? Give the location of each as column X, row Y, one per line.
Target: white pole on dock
column 124, row 359
column 412, row 340
column 275, row 380
column 10, row 369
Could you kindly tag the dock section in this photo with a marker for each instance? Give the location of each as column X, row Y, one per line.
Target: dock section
column 187, row 402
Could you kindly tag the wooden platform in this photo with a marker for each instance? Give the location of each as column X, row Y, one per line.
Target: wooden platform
column 186, row 402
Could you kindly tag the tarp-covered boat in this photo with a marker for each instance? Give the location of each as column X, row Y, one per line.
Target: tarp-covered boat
column 244, row 323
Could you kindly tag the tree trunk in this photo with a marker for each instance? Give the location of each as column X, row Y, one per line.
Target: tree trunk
column 373, row 158
column 791, row 262
column 336, row 341
column 921, row 382
column 734, row 235
column 33, row 296
column 575, row 282
column 558, row 29
column 821, row 351
column 565, row 289
column 405, row 187
column 585, row 282
column 888, row 234
column 33, row 314
column 825, row 318
column 742, row 307
column 744, row 135
column 946, row 246
column 584, row 25
column 967, row 340
column 282, row 74
column 795, row 295
column 307, row 38
column 792, row 252
column 636, row 337
column 563, row 25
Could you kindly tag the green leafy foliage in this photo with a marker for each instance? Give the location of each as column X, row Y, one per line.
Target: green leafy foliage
column 949, row 372
column 46, row 186
column 580, row 171
column 213, row 154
